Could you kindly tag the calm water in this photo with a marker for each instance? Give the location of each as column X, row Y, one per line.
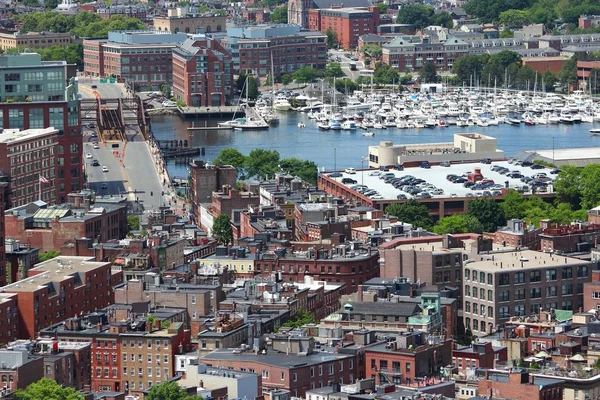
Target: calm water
column 318, row 146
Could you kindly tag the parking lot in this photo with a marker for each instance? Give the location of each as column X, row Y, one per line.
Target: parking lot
column 433, row 183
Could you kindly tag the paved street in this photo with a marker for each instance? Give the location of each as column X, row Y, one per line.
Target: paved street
column 115, row 178
column 106, row 90
column 141, row 173
column 345, row 63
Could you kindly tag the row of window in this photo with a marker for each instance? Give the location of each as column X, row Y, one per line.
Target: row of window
column 550, row 274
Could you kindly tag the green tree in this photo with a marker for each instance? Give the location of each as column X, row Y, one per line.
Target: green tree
column 221, row 229
column 371, row 50
column 31, row 3
column 415, row 14
column 346, row 86
column 590, row 184
column 133, row 222
column 286, row 79
column 568, row 73
column 334, row 70
column 490, row 10
column 51, row 4
column 169, row 391
column 304, row 169
column 262, row 163
column 549, row 81
column 568, row 186
column 332, row 38
column 459, row 223
column 428, row 73
column 301, row 318
column 506, row 34
column 513, row 204
column 48, row 255
column 234, row 158
column 47, row 389
column 466, row 67
column 382, row 8
column 442, row 18
column 488, row 212
column 279, row 15
column 385, row 74
column 306, row 74
column 411, row 212
column 515, row 18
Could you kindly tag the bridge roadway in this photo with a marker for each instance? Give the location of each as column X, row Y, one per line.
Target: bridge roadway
column 138, row 178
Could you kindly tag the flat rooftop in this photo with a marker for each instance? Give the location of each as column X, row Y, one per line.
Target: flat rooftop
column 16, row 135
column 280, row 360
column 54, row 270
column 522, row 260
column 436, row 175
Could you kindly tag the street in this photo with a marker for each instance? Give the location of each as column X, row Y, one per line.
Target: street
column 106, row 90
column 345, row 63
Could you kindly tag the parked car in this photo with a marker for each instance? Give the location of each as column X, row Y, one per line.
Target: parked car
column 486, row 161
column 401, row 197
column 335, row 175
column 350, row 171
column 349, row 181
column 425, row 165
column 445, row 164
column 537, row 166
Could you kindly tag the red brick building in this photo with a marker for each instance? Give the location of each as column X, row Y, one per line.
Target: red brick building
column 9, row 329
column 410, row 356
column 206, row 179
column 516, row 234
column 348, row 23
column 202, row 72
column 48, row 228
column 478, row 355
column 60, row 288
column 39, row 95
column 571, row 238
column 19, row 369
column 519, row 385
column 591, row 292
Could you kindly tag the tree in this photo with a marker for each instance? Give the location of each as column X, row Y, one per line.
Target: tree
column 466, row 67
column 490, row 10
column 133, row 222
column 334, row 70
column 51, row 4
column 169, row 391
column 279, row 15
column 301, row 318
column 252, row 87
column 306, row 74
column 385, row 74
column 568, row 73
column 234, row 158
column 48, row 255
column 459, row 223
column 513, row 204
column 411, row 212
column 590, row 186
column 47, row 389
column 262, row 163
column 371, row 50
column 382, row 8
column 415, row 14
column 568, row 186
column 286, row 79
column 442, row 19
column 221, row 229
column 549, row 81
column 304, row 169
column 346, row 86
column 332, row 38
column 428, row 73
column 515, row 18
column 488, row 212
column 31, row 3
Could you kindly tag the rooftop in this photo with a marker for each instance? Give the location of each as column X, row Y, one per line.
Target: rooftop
column 12, row 136
column 280, row 360
column 56, row 269
column 526, row 259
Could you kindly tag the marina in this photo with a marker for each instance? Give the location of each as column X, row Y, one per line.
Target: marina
column 501, row 115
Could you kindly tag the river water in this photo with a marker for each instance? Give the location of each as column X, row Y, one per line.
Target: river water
column 312, row 144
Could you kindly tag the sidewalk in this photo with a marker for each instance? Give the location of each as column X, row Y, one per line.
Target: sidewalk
column 177, row 205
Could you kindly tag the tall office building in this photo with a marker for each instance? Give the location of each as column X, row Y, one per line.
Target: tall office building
column 38, row 94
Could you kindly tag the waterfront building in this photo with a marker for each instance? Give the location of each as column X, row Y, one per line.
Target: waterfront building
column 410, row 53
column 348, row 24
column 202, row 72
column 286, row 48
column 37, row 95
column 298, row 10
column 141, row 58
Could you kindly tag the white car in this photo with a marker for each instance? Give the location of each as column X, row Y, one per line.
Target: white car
column 104, row 168
column 375, row 173
column 96, row 146
column 350, row 171
column 88, row 155
column 169, row 103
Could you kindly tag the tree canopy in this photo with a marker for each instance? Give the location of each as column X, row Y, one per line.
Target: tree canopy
column 488, row 212
column 301, row 318
column 221, row 229
column 332, row 38
column 279, row 15
column 422, row 16
column 334, row 70
column 428, row 73
column 411, row 212
column 48, row 255
column 169, row 391
column 47, row 389
column 385, row 74
column 371, row 50
column 306, row 74
column 459, row 223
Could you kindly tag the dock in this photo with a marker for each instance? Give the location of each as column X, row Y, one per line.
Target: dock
column 222, row 112
column 209, row 128
column 254, row 121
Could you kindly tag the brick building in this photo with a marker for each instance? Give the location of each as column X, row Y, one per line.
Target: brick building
column 60, row 288
column 202, row 72
column 139, row 11
column 141, row 58
column 19, row 369
column 576, row 237
column 517, row 234
column 286, row 47
column 9, row 329
column 591, row 292
column 520, row 385
column 127, row 352
column 48, row 228
column 297, row 371
column 33, row 40
column 180, row 20
column 412, row 355
column 37, row 95
column 348, row 23
column 478, row 355
column 206, row 179
column 520, row 284
column 406, row 55
column 20, row 257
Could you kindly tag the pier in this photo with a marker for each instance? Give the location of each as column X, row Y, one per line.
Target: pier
column 222, row 112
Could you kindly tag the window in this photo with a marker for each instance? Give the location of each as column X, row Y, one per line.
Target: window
column 482, row 277
column 490, row 295
column 467, row 306
column 504, row 279
column 490, row 279
column 475, row 291
column 482, row 294
column 535, row 293
column 535, row 276
column 407, row 367
column 474, row 276
column 503, row 312
column 265, row 374
column 331, row 369
column 582, row 271
column 567, row 273
column 567, row 289
column 490, row 312
column 519, row 278
column 551, row 274
column 551, row 291
column 519, row 310
column 193, row 299
column 520, row 294
column 283, row 376
column 504, row 295
column 467, row 274
column 468, row 290
column 482, row 310
column 475, row 308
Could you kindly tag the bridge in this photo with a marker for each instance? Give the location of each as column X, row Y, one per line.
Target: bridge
column 114, row 117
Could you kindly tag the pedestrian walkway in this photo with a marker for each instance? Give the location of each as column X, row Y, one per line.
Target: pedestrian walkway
column 176, row 204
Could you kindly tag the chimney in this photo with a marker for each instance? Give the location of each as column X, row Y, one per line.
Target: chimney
column 99, row 327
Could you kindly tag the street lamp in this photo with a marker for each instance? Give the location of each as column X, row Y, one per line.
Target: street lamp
column 362, row 170
column 334, row 159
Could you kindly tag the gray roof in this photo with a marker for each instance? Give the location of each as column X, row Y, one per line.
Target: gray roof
column 383, row 308
column 280, row 360
column 323, row 4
